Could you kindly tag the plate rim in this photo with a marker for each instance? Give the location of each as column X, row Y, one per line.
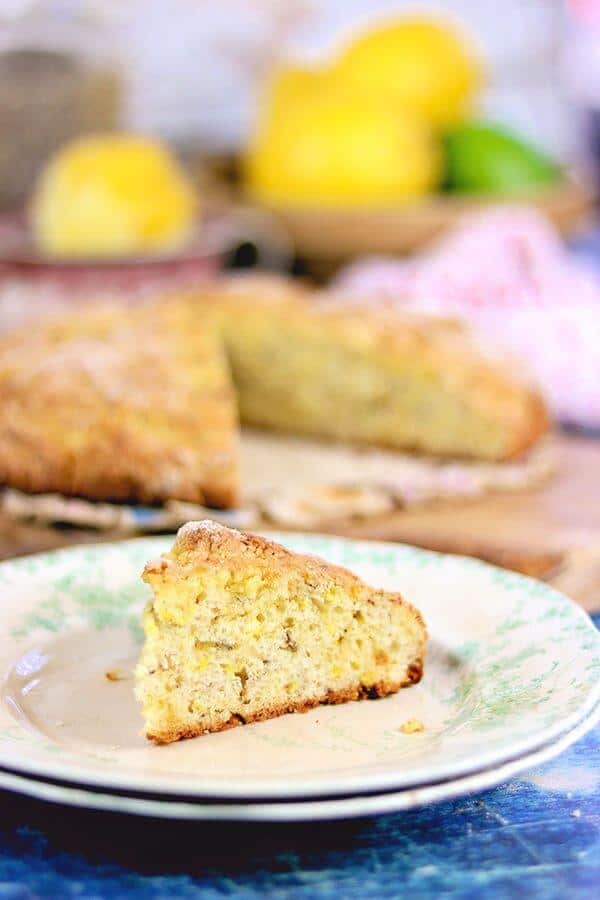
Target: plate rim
column 365, row 782
column 342, row 807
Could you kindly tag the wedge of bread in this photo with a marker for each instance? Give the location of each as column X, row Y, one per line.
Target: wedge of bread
column 120, row 405
column 372, row 377
column 241, row 629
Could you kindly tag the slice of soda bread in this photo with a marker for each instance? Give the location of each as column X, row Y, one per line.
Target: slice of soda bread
column 241, row 629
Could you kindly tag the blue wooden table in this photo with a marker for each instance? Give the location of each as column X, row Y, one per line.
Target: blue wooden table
column 537, row 836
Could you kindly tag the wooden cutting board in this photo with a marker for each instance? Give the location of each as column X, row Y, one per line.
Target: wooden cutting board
column 551, row 532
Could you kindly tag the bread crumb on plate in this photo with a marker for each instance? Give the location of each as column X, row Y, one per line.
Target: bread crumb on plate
column 411, row 726
column 115, row 675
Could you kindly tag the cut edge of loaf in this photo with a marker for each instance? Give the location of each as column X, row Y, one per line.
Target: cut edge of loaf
column 500, row 391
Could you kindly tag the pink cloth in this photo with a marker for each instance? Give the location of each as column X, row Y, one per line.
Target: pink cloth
column 507, row 273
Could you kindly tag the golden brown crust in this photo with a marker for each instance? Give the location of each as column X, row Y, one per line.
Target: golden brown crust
column 535, row 423
column 381, row 689
column 209, row 542
column 120, row 405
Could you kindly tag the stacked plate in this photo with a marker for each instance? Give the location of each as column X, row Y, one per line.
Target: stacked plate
column 512, row 677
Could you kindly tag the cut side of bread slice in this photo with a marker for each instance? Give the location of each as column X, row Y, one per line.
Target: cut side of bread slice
column 241, row 629
column 370, row 376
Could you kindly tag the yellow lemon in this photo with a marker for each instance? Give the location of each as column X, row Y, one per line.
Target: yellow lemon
column 293, row 84
column 426, row 65
column 112, row 195
column 329, row 147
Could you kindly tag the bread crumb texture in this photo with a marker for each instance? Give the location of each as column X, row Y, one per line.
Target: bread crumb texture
column 373, row 377
column 241, row 629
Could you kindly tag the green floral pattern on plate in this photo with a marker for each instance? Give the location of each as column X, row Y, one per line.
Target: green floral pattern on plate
column 512, row 664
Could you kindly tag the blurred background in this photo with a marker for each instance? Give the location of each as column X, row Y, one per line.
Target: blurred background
column 197, row 74
column 441, row 150
column 441, row 156
column 193, row 72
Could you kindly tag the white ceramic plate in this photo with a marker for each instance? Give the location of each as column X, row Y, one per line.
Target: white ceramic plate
column 294, row 810
column 512, row 666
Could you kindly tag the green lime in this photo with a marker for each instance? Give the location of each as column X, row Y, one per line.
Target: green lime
column 488, row 159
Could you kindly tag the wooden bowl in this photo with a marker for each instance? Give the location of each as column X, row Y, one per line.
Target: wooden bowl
column 327, row 237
